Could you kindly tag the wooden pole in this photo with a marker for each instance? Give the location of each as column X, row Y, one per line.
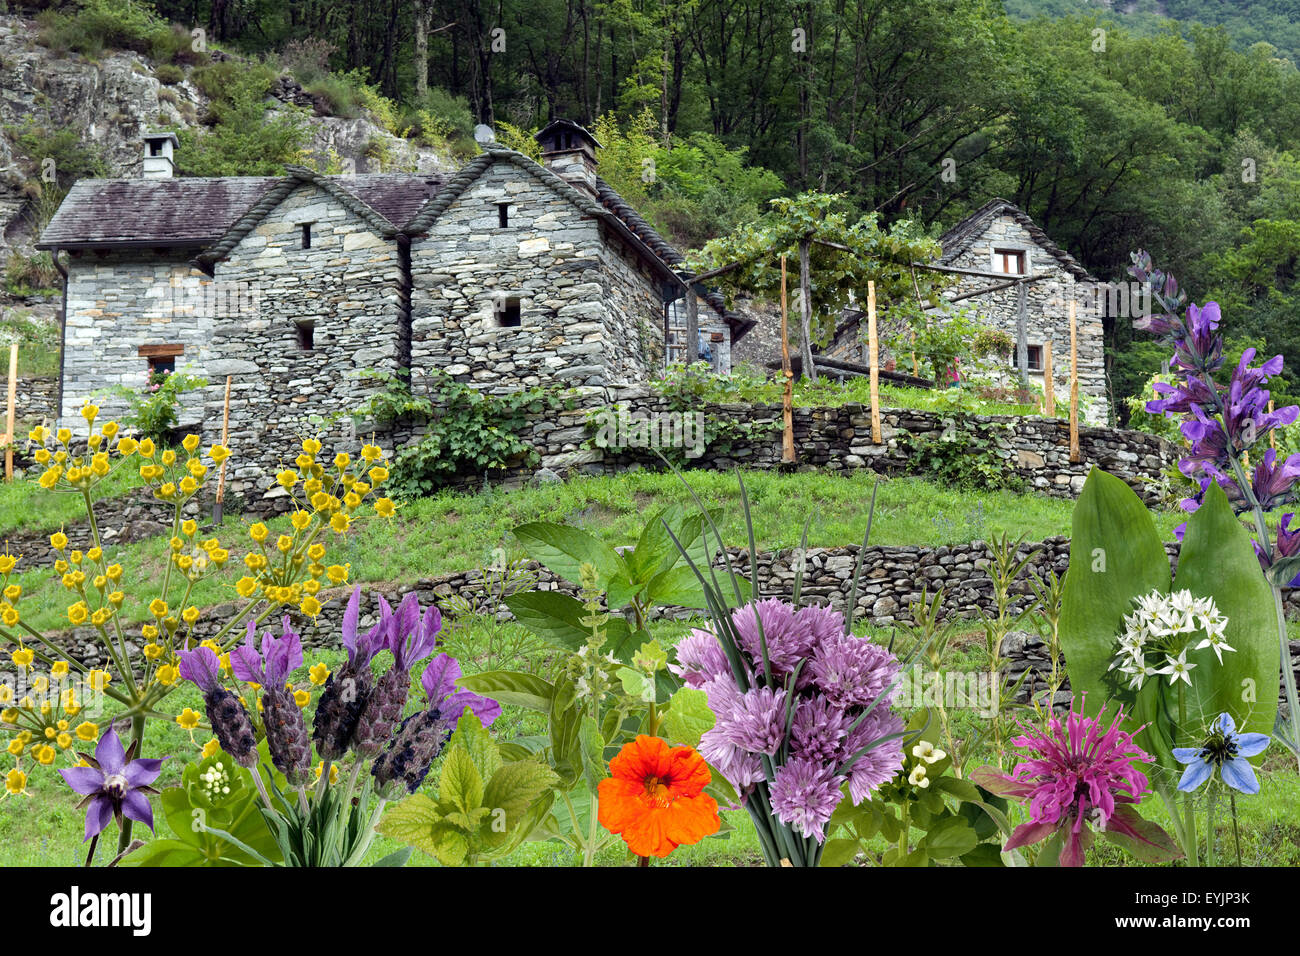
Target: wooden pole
column 1022, row 337
column 10, row 407
column 1074, row 387
column 225, row 437
column 787, row 393
column 1049, row 393
column 805, row 294
column 873, row 350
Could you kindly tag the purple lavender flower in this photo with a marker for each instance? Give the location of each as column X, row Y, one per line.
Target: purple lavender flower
column 411, row 637
column 114, row 785
column 347, row 690
column 805, row 794
column 286, row 732
column 225, row 712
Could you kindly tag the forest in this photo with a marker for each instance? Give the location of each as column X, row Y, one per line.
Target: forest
column 1114, row 131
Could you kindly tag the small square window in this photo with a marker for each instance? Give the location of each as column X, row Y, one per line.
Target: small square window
column 161, row 365
column 503, row 214
column 306, row 235
column 508, row 312
column 1035, row 358
column 306, row 336
column 1009, row 261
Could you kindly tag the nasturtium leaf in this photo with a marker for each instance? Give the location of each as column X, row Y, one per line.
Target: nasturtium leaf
column 688, row 717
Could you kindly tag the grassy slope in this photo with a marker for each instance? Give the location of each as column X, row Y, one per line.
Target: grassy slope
column 457, row 532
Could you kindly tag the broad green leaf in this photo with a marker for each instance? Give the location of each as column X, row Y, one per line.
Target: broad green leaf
column 839, row 852
column 688, row 717
column 1218, row 560
column 450, row 846
column 592, row 747
column 636, row 685
column 986, row 854
column 1115, row 556
column 512, row 687
column 515, row 787
column 564, row 550
column 478, row 743
column 411, row 822
column 951, row 836
column 529, row 827
column 557, row 619
column 396, row 858
column 1152, row 845
column 460, row 782
column 566, row 752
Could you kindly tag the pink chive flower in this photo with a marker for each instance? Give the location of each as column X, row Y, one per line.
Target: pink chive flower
column 1076, row 775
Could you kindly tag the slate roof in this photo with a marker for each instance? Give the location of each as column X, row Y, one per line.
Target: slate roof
column 959, row 238
column 200, row 211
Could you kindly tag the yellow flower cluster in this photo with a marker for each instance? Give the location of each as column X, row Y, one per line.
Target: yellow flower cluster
column 42, row 718
column 289, row 567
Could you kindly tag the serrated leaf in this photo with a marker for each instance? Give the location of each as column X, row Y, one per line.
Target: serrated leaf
column 512, row 687
column 450, row 846
column 515, row 787
column 478, row 743
column 460, row 782
column 564, row 550
column 411, row 822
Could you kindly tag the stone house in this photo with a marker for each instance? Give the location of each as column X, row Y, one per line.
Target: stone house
column 988, row 250
column 506, row 274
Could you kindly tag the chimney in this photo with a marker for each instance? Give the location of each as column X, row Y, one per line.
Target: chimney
column 158, row 155
column 569, row 151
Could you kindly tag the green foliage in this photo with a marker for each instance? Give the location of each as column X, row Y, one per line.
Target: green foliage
column 1120, row 557
column 484, row 807
column 244, row 140
column 943, row 343
column 467, row 432
column 169, row 73
column 72, row 159
column 214, row 793
column 960, row 823
column 963, row 455
column 31, row 275
column 155, row 408
column 350, row 95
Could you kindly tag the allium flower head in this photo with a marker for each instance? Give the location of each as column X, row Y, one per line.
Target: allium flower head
column 789, row 636
column 852, row 670
column 1158, row 635
column 1224, row 750
column 805, row 794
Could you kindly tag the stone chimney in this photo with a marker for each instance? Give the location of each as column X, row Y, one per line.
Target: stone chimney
column 158, row 155
column 569, row 151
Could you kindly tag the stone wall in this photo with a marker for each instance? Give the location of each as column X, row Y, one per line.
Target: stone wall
column 117, row 304
column 1046, row 319
column 36, row 402
column 322, row 317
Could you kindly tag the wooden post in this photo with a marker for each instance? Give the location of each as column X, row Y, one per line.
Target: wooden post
column 225, row 437
column 1049, row 391
column 787, row 393
column 692, row 326
column 873, row 350
column 1022, row 336
column 1074, row 387
column 10, row 403
column 805, row 295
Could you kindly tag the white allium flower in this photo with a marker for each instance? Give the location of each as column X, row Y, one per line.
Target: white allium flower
column 1166, row 624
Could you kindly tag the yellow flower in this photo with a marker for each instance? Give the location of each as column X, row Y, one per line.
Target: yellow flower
column 190, row 614
column 58, row 541
column 188, row 527
column 385, row 508
column 38, row 434
column 258, row 532
column 158, row 607
column 78, row 613
column 284, row 543
column 310, row 606
column 9, row 616
column 89, row 411
column 189, row 485
column 153, row 651
column 64, row 741
column 42, row 456
column 127, row 446
column 16, row 747
column 45, row 755
column 50, row 478
column 40, row 684
column 310, row 587
column 337, row 573
column 316, row 552
column 9, row 715
column 149, row 632
column 188, row 719
column 351, row 500
column 318, row 674
column 301, row 698
column 334, row 771
column 13, row 592
column 166, row 491
column 167, row 675
column 98, row 678
column 287, row 478
column 255, row 562
column 190, row 443
column 87, row 731
column 146, row 448
column 311, row 446
column 116, row 598
column 6, row 693
column 211, row 748
column 15, row 782
column 23, row 657
column 245, row 587
column 218, row 453
column 378, row 475
column 60, row 566
column 196, row 469
column 50, row 733
column 113, row 572
column 371, row 452
column 59, row 669
column 7, row 562
column 339, row 523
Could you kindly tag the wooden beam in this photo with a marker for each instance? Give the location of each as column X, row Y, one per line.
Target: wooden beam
column 1049, row 394
column 160, row 351
column 873, row 351
column 11, row 402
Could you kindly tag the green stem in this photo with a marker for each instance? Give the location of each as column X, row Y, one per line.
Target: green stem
column 589, row 851
column 1190, row 848
column 137, row 738
column 1211, row 853
column 1236, row 834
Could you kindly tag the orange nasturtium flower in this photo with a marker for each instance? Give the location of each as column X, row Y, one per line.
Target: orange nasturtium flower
column 655, row 797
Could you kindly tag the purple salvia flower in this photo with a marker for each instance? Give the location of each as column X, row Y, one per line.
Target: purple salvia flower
column 1273, row 482
column 114, row 785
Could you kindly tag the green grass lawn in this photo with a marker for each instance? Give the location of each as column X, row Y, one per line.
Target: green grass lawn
column 45, row 829
column 458, row 532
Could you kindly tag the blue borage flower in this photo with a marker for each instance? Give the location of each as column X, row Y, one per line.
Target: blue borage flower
column 1224, row 750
